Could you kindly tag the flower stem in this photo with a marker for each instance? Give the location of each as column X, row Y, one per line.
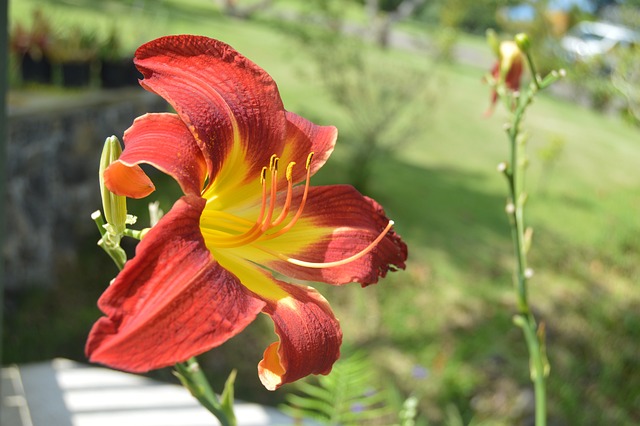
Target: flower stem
column 517, row 199
column 108, row 243
column 193, row 378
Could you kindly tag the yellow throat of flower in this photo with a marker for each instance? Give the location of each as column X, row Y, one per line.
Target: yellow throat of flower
column 224, row 230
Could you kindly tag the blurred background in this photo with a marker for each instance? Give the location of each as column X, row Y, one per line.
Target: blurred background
column 403, row 82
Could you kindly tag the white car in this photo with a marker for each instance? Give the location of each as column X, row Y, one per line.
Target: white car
column 589, row 39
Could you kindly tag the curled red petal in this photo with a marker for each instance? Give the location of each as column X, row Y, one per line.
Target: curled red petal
column 309, row 337
column 338, row 222
column 129, row 181
column 163, row 141
column 309, row 334
column 226, row 100
column 172, row 301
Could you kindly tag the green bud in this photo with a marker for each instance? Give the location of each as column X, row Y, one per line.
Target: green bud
column 523, row 42
column 114, row 206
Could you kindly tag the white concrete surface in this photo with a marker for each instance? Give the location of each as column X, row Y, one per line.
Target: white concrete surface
column 66, row 393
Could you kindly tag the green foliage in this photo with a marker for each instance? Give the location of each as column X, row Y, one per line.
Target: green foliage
column 35, row 39
column 591, row 80
column 474, row 16
column 626, row 82
column 381, row 99
column 349, row 395
column 409, row 411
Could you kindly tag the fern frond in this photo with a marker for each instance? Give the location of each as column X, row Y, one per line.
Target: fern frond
column 348, row 396
column 319, row 393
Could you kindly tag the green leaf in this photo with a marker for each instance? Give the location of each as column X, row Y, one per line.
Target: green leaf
column 226, row 399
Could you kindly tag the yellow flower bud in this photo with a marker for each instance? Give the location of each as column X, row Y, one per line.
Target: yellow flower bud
column 510, row 57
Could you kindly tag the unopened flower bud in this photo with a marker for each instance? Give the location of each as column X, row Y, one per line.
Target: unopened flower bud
column 510, row 63
column 507, row 71
column 523, row 42
column 114, row 206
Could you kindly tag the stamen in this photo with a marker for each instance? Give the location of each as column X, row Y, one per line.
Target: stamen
column 225, row 230
column 287, row 202
column 321, row 265
column 253, row 233
column 273, row 158
column 274, row 192
column 295, row 218
column 289, row 173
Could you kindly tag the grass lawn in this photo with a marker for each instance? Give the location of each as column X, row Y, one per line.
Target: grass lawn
column 450, row 311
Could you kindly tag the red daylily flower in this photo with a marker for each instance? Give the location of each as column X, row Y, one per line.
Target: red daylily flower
column 206, row 270
column 507, row 69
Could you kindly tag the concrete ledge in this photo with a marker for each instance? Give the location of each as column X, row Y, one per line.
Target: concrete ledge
column 67, row 393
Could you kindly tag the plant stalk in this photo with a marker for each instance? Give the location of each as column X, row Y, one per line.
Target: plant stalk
column 517, row 199
column 194, row 379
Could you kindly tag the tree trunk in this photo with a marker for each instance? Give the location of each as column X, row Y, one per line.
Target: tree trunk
column 380, row 21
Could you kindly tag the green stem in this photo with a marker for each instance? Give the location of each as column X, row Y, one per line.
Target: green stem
column 518, row 199
column 133, row 233
column 115, row 252
column 532, row 67
column 538, row 366
column 194, row 379
column 525, row 319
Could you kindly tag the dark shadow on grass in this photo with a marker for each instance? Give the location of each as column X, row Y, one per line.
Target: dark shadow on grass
column 441, row 208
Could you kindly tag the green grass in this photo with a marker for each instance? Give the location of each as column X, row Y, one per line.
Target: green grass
column 451, row 310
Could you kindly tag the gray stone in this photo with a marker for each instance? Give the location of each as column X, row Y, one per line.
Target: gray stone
column 53, row 151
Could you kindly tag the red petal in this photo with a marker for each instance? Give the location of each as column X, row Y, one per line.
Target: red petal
column 172, row 301
column 129, row 181
column 351, row 222
column 163, row 141
column 224, row 98
column 309, row 333
column 236, row 186
column 512, row 79
column 304, row 137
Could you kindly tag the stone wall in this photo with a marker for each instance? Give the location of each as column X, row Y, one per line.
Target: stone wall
column 53, row 152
